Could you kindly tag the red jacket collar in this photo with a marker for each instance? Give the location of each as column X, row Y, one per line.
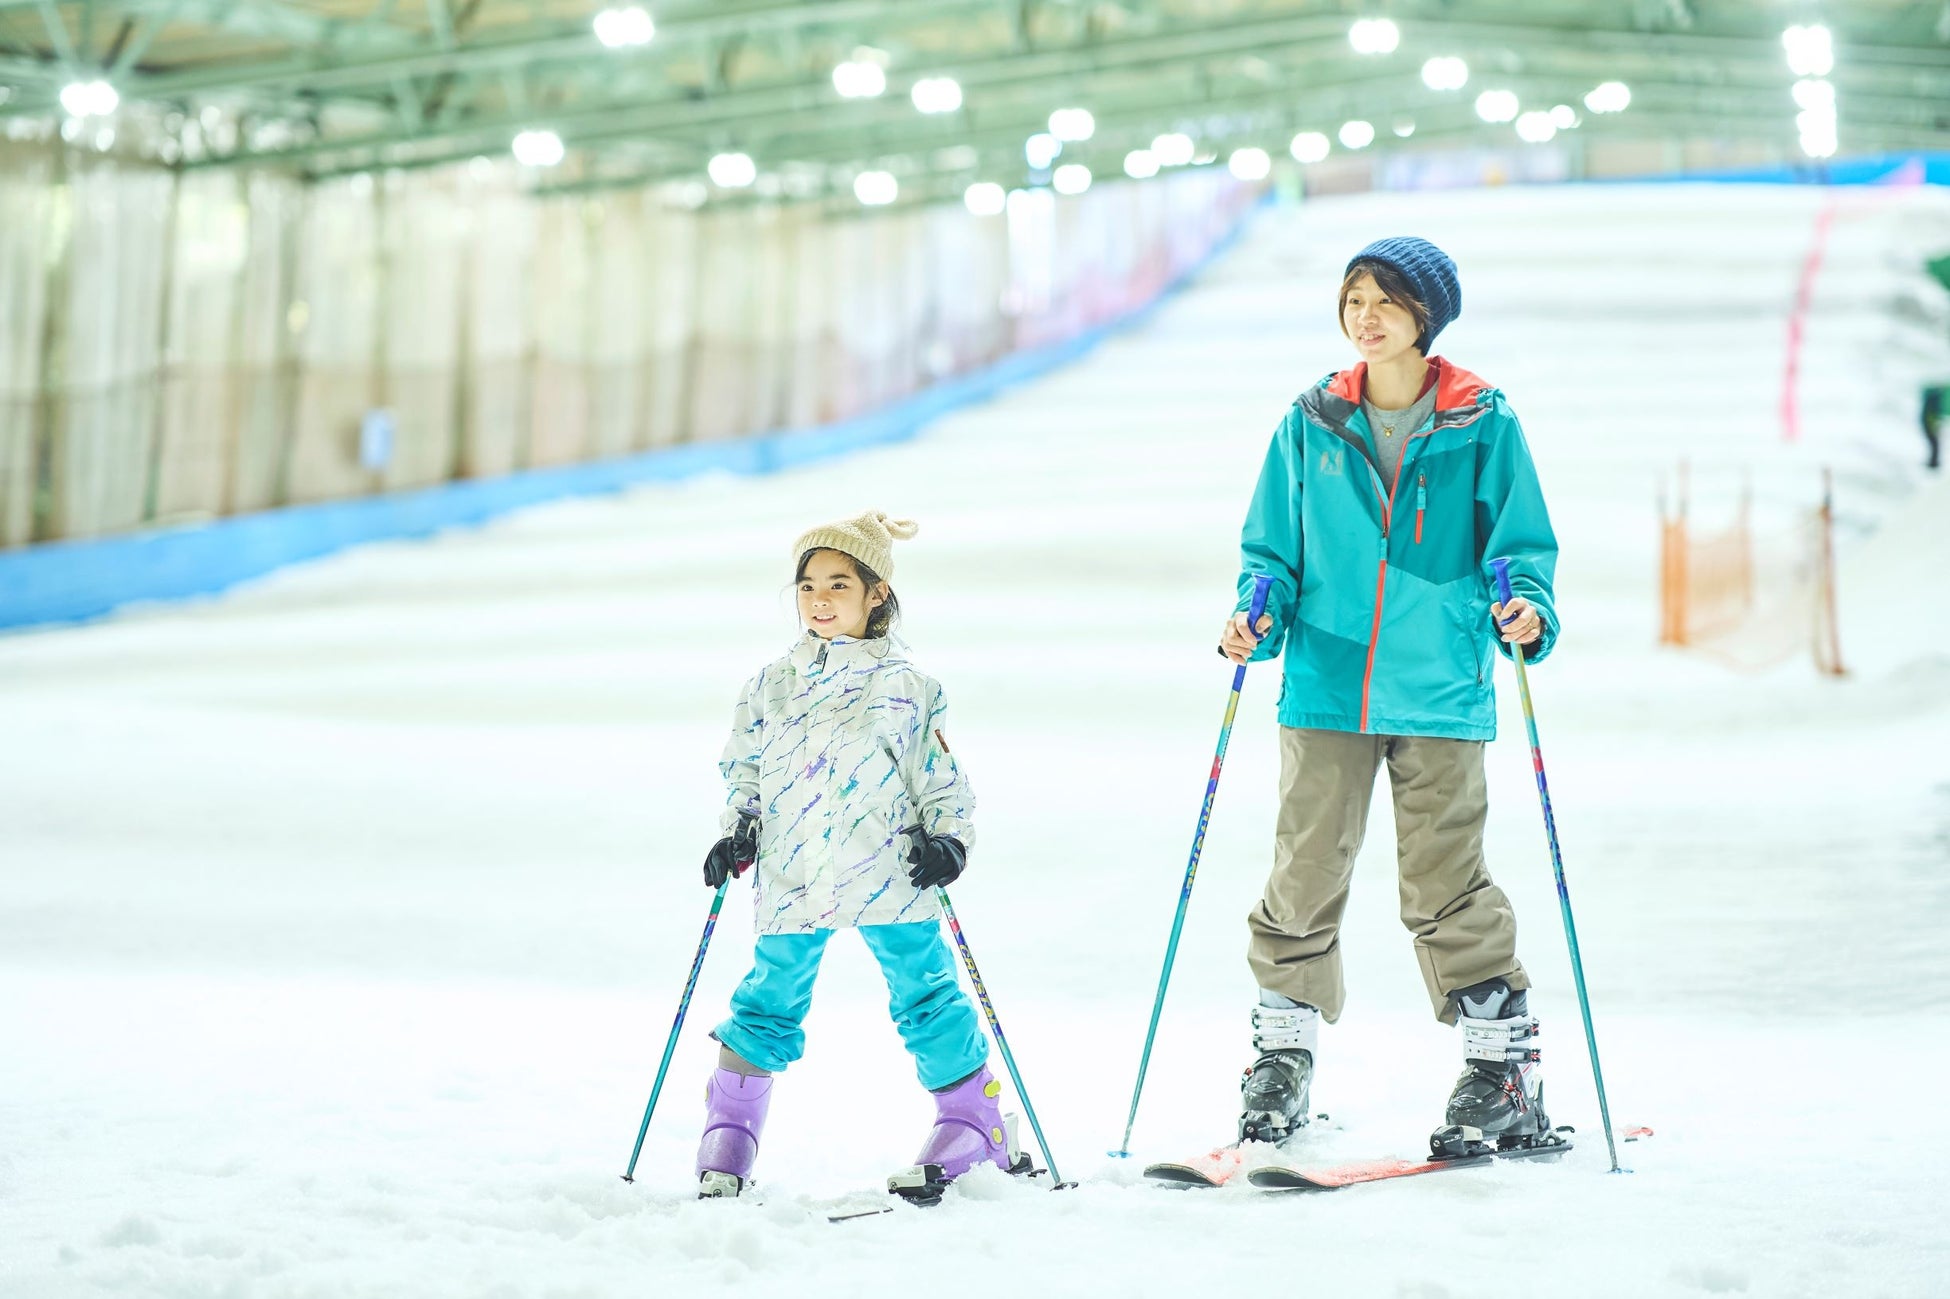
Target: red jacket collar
column 1455, row 387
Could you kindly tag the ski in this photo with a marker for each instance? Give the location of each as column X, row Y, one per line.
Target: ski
column 1216, row 1167
column 923, row 1187
column 1213, row 1169
column 1332, row 1177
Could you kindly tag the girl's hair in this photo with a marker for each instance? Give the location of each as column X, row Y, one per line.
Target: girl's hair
column 881, row 620
column 1393, row 284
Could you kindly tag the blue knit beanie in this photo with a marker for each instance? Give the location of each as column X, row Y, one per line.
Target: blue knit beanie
column 1428, row 269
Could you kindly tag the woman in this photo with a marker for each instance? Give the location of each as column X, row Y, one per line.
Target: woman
column 1387, row 490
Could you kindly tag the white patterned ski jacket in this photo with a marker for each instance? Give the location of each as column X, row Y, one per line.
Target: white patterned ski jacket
column 837, row 748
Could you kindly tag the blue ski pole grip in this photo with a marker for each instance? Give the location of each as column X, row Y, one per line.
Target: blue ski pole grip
column 1262, row 587
column 1502, row 569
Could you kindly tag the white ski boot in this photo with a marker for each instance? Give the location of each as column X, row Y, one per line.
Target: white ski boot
column 1275, row 1092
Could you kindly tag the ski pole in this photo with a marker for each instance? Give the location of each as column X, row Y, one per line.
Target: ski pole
column 995, row 1027
column 1504, row 596
column 670, row 1047
column 1261, row 585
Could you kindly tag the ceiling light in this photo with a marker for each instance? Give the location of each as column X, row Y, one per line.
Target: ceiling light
column 1140, row 164
column 1810, row 50
column 1497, row 106
column 1309, row 146
column 859, row 79
column 985, row 198
column 626, row 26
column 1811, row 93
column 1374, row 36
column 1041, row 150
column 1073, row 178
column 1611, row 97
column 1445, row 72
column 1072, row 124
column 732, row 170
column 1404, row 129
column 937, row 94
column 1249, row 164
column 1173, row 149
column 89, row 99
column 1357, row 134
column 1536, row 126
column 538, row 148
column 1564, row 117
column 876, row 188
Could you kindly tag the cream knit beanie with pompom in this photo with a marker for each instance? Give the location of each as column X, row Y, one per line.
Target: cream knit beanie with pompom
column 868, row 537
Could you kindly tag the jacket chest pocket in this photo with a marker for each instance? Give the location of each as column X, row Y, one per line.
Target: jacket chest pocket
column 1441, row 547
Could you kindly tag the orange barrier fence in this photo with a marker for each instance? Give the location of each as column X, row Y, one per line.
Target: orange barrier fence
column 1750, row 597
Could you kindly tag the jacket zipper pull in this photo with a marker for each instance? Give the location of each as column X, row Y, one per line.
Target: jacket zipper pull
column 1421, row 504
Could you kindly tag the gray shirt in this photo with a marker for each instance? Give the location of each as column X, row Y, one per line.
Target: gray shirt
column 1386, row 446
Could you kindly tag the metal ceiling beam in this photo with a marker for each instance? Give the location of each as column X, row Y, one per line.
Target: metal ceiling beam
column 132, row 53
column 31, row 72
column 1135, row 123
column 947, row 185
column 544, row 43
column 57, row 33
column 1044, row 73
column 1144, row 111
column 525, row 47
column 803, row 96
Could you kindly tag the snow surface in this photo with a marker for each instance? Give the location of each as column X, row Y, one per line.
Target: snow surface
column 342, row 919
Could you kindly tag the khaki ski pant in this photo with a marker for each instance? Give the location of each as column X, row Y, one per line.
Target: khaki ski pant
column 1465, row 931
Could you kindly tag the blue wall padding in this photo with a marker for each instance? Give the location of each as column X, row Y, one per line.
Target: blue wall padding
column 1879, row 169
column 72, row 581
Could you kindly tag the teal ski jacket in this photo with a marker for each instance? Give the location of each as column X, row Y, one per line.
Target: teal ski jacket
column 1380, row 601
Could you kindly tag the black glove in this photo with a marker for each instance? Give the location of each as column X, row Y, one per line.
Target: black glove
column 730, row 855
column 937, row 860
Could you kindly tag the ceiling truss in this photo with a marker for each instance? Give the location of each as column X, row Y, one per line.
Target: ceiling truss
column 324, row 88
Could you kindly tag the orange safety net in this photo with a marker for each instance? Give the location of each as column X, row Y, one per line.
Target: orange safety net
column 1750, row 597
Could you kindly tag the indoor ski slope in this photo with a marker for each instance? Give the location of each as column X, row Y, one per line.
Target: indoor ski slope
column 342, row 919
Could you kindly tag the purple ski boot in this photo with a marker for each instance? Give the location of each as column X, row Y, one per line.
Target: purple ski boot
column 969, row 1129
column 734, row 1116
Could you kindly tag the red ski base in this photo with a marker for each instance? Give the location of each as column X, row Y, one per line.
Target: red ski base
column 1218, row 1167
column 1213, row 1169
column 1332, row 1177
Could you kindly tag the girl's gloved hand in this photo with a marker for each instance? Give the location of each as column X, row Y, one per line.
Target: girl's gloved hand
column 937, row 861
column 732, row 854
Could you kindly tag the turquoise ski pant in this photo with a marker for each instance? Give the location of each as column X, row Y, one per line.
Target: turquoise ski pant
column 938, row 1022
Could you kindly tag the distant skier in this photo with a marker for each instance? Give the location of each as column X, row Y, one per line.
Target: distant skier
column 1388, row 488
column 843, row 790
column 1936, row 408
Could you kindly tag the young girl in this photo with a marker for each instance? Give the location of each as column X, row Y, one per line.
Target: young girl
column 843, row 791
column 1387, row 490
